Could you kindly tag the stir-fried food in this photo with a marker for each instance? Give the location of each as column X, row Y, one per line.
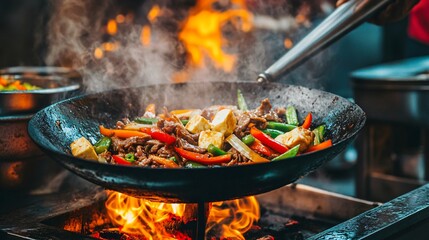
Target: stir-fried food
column 8, row 83
column 214, row 136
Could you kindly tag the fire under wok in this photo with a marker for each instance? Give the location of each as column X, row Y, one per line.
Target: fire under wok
column 56, row 126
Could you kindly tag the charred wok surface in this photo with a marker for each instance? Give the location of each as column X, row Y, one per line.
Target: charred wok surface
column 82, row 116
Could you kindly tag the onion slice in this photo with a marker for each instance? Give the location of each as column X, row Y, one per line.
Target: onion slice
column 245, row 150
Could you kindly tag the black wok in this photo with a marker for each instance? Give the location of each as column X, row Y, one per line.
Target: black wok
column 56, row 126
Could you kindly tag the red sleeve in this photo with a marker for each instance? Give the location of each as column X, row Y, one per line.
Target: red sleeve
column 418, row 27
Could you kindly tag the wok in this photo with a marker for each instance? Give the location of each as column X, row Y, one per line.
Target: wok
column 56, row 126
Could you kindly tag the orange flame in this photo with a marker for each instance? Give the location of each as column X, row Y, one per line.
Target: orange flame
column 202, row 36
column 229, row 219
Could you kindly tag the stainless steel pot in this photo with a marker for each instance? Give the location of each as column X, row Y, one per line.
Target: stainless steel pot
column 23, row 166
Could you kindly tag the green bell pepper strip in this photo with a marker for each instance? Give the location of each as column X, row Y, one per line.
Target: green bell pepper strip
column 174, row 160
column 102, row 145
column 241, row 102
column 248, row 140
column 146, row 120
column 184, row 121
column 191, row 164
column 319, row 134
column 291, row 153
column 272, row 132
column 284, row 127
column 215, row 150
column 291, row 116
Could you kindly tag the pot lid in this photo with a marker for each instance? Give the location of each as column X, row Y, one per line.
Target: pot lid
column 409, row 72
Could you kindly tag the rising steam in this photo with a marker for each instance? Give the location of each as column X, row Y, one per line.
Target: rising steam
column 77, row 30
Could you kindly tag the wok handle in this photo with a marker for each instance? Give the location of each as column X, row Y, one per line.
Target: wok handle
column 342, row 20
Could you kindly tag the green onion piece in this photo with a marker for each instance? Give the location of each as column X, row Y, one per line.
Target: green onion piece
column 290, row 153
column 284, row 127
column 241, row 102
column 291, row 116
column 273, row 133
column 215, row 150
column 146, row 120
column 102, row 145
column 190, row 164
column 242, row 148
column 184, row 121
column 129, row 157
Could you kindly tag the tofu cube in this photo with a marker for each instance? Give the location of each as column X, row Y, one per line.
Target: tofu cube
column 299, row 135
column 197, row 124
column 210, row 137
column 82, row 148
column 224, row 122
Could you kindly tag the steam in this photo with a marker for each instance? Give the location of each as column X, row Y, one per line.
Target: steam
column 75, row 32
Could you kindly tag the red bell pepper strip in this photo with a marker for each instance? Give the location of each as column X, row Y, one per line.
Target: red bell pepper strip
column 307, row 121
column 257, row 146
column 120, row 133
column 268, row 141
column 203, row 158
column 320, row 146
column 159, row 135
column 120, row 160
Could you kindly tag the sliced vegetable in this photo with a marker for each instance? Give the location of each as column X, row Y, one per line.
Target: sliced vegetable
column 163, row 161
column 261, row 148
column 318, row 147
column 145, row 120
column 203, row 158
column 120, row 133
column 130, row 157
column 184, row 121
column 241, row 102
column 284, row 127
column 215, row 150
column 291, row 153
column 291, row 116
column 102, row 145
column 268, row 141
column 174, row 160
column 273, row 133
column 159, row 135
column 248, row 140
column 307, row 121
column 191, row 164
column 120, row 160
column 236, row 143
column 319, row 134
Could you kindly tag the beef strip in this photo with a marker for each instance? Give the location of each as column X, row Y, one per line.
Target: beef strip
column 181, row 132
column 243, row 121
column 124, row 145
column 187, row 146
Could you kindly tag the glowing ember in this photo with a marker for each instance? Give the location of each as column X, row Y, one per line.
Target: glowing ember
column 288, row 43
column 153, row 13
column 98, row 53
column 202, row 36
column 112, row 27
column 152, row 220
column 145, row 35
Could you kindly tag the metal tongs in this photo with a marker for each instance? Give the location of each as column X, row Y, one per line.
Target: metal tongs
column 344, row 19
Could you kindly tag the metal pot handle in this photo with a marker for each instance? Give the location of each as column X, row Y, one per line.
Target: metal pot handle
column 341, row 21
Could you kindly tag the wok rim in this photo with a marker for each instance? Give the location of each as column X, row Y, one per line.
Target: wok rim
column 32, row 134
